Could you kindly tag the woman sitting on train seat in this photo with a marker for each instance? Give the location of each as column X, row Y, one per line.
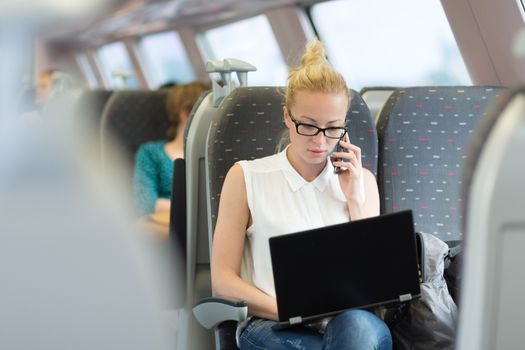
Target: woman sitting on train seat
column 154, row 160
column 291, row 191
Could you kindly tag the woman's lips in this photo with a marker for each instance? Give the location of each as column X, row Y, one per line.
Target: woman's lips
column 317, row 153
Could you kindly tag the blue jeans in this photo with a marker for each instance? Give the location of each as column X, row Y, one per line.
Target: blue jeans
column 352, row 329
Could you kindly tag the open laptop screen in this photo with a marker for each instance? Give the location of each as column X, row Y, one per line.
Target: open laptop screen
column 357, row 264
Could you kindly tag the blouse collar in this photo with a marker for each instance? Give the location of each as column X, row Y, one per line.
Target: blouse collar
column 296, row 181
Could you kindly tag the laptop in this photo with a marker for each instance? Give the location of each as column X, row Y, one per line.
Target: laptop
column 358, row 264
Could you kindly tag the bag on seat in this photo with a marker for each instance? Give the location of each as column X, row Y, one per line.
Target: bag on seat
column 453, row 268
column 430, row 321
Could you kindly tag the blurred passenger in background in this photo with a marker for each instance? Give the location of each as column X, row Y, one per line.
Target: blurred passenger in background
column 168, row 85
column 44, row 86
column 49, row 83
column 154, row 160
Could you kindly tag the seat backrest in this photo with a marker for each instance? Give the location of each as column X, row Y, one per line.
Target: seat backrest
column 179, row 212
column 130, row 119
column 362, row 131
column 197, row 248
column 375, row 98
column 197, row 274
column 90, row 105
column 196, row 216
column 422, row 133
column 249, row 125
column 181, row 198
column 493, row 288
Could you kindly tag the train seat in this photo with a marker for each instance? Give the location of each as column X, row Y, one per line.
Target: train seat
column 131, row 118
column 197, row 251
column 491, row 314
column 375, row 98
column 249, row 125
column 188, row 224
column 90, row 105
column 422, row 133
column 88, row 109
column 178, row 212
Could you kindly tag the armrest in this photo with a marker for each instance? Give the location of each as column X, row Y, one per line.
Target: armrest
column 209, row 312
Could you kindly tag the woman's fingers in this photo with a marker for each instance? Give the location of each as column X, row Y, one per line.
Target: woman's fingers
column 350, row 157
column 346, row 166
column 351, row 148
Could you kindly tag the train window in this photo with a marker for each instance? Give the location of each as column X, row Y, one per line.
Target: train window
column 87, row 70
column 413, row 47
column 117, row 67
column 165, row 59
column 259, row 47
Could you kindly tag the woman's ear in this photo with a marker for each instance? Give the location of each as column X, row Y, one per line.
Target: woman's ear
column 285, row 114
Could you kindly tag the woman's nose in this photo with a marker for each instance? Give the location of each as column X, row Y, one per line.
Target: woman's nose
column 319, row 138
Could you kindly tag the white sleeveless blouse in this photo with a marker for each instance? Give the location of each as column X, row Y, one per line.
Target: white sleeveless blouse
column 281, row 202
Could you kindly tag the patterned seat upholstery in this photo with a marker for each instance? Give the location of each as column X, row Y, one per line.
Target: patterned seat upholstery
column 422, row 133
column 131, row 118
column 362, row 131
column 249, row 125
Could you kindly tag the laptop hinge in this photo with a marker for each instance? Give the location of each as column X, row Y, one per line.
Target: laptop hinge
column 295, row 320
column 405, row 297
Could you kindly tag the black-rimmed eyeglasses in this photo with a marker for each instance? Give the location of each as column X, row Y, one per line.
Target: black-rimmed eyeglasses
column 312, row 130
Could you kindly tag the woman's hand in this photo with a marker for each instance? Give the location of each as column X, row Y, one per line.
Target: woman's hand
column 351, row 172
column 358, row 185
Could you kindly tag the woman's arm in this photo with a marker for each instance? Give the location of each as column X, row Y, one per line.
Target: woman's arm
column 162, row 205
column 370, row 207
column 145, row 181
column 228, row 246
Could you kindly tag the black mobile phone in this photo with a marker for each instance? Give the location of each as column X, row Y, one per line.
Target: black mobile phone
column 338, row 148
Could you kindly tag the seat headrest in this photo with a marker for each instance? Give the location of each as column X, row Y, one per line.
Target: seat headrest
column 133, row 118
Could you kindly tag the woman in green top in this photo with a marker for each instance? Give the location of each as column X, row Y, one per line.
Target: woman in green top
column 154, row 160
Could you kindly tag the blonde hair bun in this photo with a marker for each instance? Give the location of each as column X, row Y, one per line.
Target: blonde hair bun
column 315, row 54
column 315, row 74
